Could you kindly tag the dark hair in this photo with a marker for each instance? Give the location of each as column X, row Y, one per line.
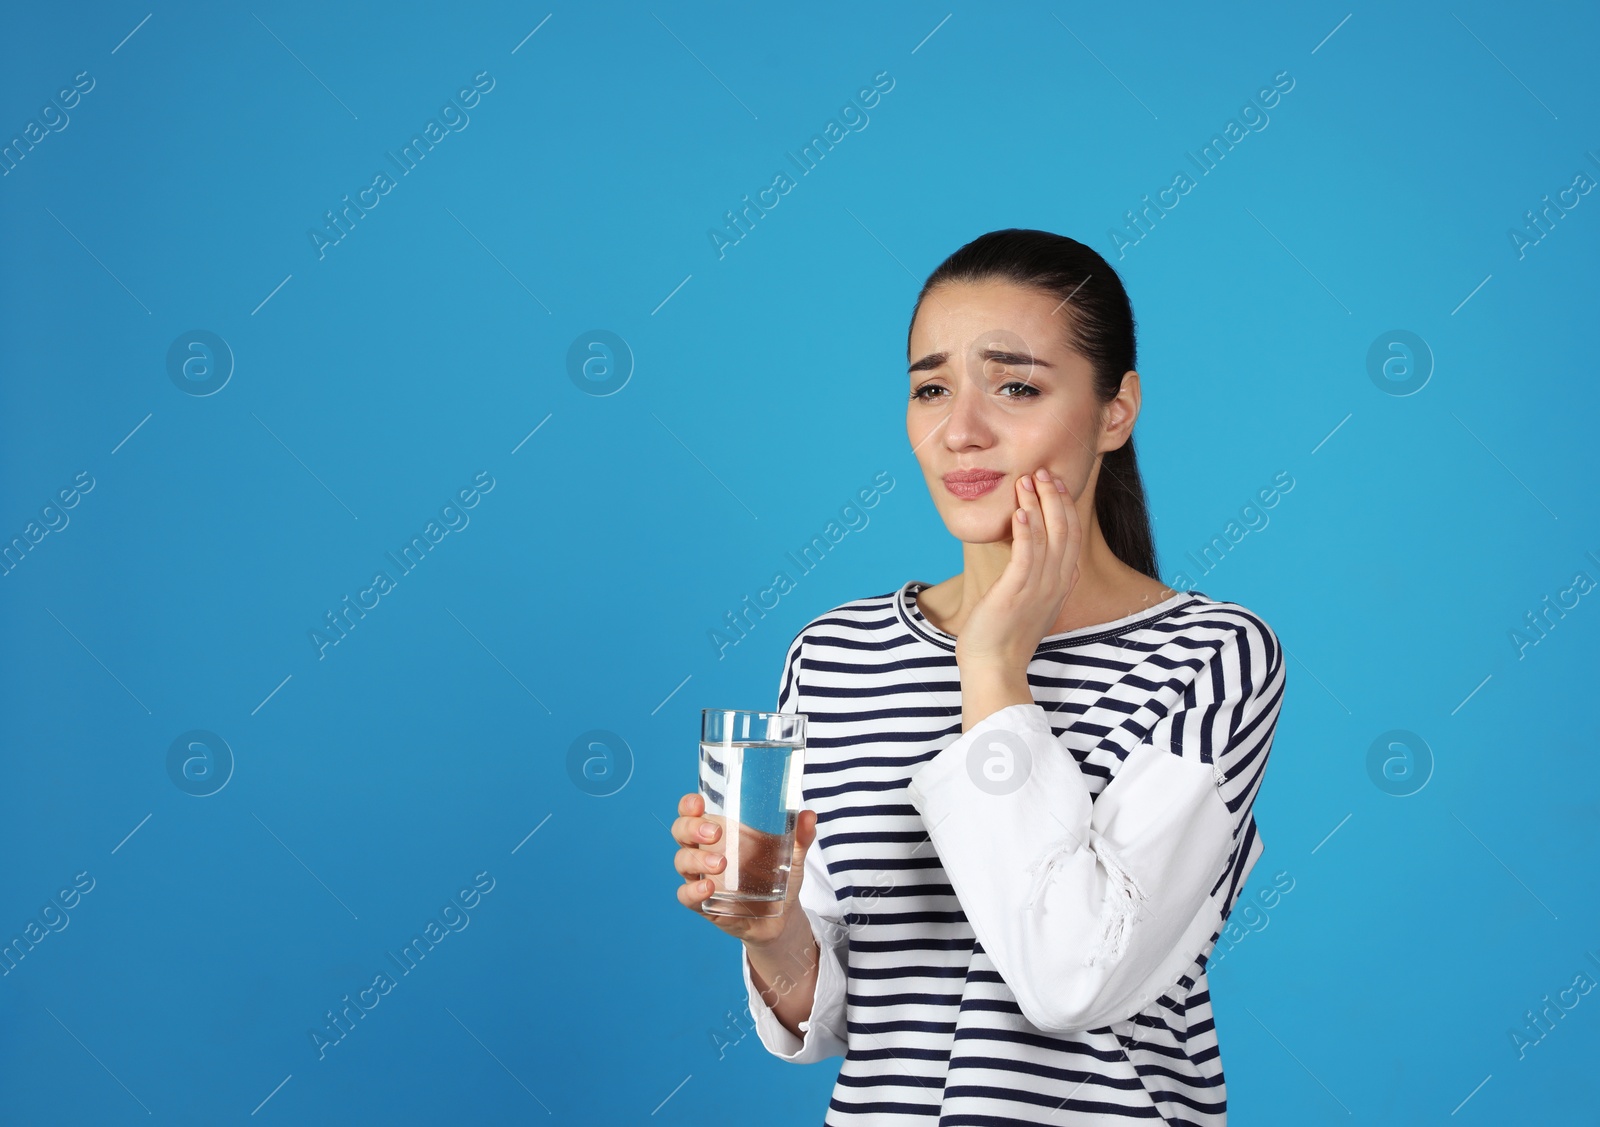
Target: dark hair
column 1100, row 328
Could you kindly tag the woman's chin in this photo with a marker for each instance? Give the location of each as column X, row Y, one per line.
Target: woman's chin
column 973, row 527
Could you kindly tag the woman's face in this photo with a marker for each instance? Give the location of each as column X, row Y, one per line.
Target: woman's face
column 995, row 388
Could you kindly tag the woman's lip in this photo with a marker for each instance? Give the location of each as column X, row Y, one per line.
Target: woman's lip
column 970, row 490
column 973, row 475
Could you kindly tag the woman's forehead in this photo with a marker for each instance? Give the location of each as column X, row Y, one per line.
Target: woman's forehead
column 1025, row 324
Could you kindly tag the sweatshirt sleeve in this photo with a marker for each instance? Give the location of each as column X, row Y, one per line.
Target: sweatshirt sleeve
column 1092, row 908
column 824, row 1031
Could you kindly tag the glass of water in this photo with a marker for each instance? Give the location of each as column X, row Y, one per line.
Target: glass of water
column 750, row 769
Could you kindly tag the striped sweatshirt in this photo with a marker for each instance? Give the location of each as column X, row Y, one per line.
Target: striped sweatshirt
column 1014, row 921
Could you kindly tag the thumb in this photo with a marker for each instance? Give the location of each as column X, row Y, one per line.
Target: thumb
column 805, row 830
column 805, row 835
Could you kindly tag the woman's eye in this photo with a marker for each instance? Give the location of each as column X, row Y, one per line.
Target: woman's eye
column 1028, row 391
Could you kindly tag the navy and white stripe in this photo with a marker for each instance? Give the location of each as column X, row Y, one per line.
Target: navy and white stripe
column 929, row 1031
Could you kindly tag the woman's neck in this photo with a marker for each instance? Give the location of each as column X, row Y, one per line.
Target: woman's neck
column 1107, row 589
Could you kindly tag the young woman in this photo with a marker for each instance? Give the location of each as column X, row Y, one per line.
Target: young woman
column 1029, row 787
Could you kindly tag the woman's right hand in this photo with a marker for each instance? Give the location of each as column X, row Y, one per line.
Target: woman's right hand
column 701, row 856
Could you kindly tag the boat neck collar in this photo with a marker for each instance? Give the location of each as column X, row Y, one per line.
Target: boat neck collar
column 910, row 614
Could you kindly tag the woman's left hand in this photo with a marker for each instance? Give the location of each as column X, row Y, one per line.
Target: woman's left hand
column 1005, row 628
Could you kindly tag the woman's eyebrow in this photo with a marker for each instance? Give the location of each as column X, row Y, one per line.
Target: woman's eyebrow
column 1015, row 358
column 937, row 359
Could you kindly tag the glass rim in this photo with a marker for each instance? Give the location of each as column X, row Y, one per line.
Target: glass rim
column 745, row 712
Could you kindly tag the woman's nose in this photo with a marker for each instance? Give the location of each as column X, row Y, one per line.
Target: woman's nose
column 968, row 421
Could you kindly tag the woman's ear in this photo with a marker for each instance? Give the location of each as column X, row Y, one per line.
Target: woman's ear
column 1118, row 415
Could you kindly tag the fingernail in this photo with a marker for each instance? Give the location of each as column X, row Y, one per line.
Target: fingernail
column 708, row 832
column 1061, row 486
column 1042, row 474
column 1027, row 483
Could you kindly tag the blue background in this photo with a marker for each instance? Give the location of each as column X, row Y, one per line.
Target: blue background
column 572, row 619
